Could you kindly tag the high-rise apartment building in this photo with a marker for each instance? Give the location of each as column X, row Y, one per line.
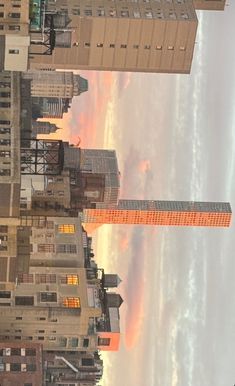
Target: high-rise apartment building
column 210, row 5
column 175, row 213
column 149, row 36
column 14, row 35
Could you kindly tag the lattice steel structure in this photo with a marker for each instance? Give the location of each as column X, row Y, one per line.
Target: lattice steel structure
column 42, row 157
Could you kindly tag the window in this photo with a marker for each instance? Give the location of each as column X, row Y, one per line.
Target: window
column 5, row 172
column 24, row 300
column 123, row 46
column 4, row 122
column 103, row 341
column 15, row 351
column 3, row 228
column 31, row 367
column 15, row 367
column 5, row 104
column 99, row 45
column 66, row 248
column 14, row 27
column 5, row 130
column 50, row 297
column 1, row 14
column 5, row 94
column 31, row 352
column 25, row 278
column 87, row 362
column 85, row 342
column 14, row 15
column 70, row 279
column 46, row 248
column 5, row 294
column 5, row 142
column 45, row 278
column 72, row 302
column 66, row 228
column 14, row 52
column 19, row 318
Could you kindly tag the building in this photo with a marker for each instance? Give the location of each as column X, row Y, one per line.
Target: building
column 145, row 36
column 43, row 107
column 39, row 128
column 14, row 35
column 61, row 298
column 174, row 213
column 72, row 368
column 55, row 84
column 210, row 5
column 21, row 364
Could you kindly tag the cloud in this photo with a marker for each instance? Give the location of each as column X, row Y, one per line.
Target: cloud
column 134, row 289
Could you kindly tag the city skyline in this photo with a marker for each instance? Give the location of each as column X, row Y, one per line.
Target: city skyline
column 204, row 140
column 174, row 135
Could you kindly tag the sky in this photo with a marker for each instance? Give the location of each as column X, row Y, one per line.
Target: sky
column 175, row 139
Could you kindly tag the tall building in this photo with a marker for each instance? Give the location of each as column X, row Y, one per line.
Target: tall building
column 43, row 128
column 175, row 213
column 55, row 84
column 148, row 36
column 210, row 5
column 14, row 35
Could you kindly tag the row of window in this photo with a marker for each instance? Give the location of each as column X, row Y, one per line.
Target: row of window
column 13, row 27
column 48, row 297
column 40, row 278
column 137, row 46
column 59, row 248
column 12, row 15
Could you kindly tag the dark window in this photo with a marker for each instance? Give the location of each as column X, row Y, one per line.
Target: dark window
column 87, row 362
column 19, row 318
column 85, row 342
column 5, row 94
column 1, row 14
column 30, row 352
column 66, row 248
column 14, row 52
column 4, row 122
column 28, row 384
column 31, row 367
column 3, row 228
column 15, row 351
column 5, row 130
column 15, row 367
column 24, row 300
column 14, row 15
column 5, row 294
column 48, row 296
column 5, row 104
column 5, row 142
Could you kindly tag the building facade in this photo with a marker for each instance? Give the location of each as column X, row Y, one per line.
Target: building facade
column 210, row 5
column 121, row 36
column 174, row 213
column 21, row 364
column 14, row 35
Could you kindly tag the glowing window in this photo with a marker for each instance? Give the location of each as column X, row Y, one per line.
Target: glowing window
column 66, row 228
column 70, row 279
column 72, row 302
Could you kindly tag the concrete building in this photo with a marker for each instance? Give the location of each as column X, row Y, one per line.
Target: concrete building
column 21, row 363
column 72, row 368
column 39, row 128
column 210, row 5
column 121, row 36
column 55, row 84
column 14, row 35
column 61, row 298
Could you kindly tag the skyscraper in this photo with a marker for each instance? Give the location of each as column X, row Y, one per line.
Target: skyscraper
column 148, row 36
column 174, row 213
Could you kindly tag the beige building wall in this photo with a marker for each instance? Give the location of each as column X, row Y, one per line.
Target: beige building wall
column 210, row 5
column 43, row 316
column 125, row 36
column 14, row 31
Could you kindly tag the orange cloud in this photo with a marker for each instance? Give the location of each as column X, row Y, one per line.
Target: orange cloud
column 144, row 166
column 134, row 325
